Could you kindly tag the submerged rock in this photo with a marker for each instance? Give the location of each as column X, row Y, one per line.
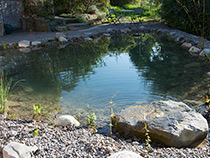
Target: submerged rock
column 18, row 150
column 169, row 122
column 25, row 50
column 125, row 154
column 65, row 120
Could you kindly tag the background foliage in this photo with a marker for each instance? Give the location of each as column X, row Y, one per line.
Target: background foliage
column 193, row 19
column 46, row 8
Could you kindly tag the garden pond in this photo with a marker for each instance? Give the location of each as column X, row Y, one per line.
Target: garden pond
column 126, row 70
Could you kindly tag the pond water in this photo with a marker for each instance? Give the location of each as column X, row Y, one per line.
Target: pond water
column 128, row 69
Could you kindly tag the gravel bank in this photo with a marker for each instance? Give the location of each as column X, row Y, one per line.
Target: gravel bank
column 81, row 142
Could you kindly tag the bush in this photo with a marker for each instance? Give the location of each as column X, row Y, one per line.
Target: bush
column 47, row 8
column 188, row 16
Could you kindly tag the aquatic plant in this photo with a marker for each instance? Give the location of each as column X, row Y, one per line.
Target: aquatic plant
column 37, row 110
column 147, row 137
column 206, row 100
column 91, row 118
column 111, row 112
column 5, row 88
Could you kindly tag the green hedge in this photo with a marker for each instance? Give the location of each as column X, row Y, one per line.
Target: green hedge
column 189, row 19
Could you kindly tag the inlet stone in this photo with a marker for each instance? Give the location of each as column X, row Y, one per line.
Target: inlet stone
column 169, row 122
column 65, row 120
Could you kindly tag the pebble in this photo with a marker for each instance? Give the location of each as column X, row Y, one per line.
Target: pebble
column 80, row 142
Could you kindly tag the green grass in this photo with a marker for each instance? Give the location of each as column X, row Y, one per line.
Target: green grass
column 149, row 14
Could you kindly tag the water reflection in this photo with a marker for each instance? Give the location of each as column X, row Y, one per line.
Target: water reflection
column 141, row 67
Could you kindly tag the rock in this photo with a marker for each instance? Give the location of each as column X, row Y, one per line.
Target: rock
column 61, row 46
column 127, row 30
column 194, row 50
column 172, row 33
column 171, row 123
column 109, row 30
column 63, row 39
column 61, row 28
column 208, row 73
column 186, row 45
column 107, row 35
column 25, row 50
column 66, row 120
column 125, row 154
column 88, row 39
column 142, row 27
column 58, row 35
column 36, row 43
column 17, row 150
column 204, row 52
column 24, row 44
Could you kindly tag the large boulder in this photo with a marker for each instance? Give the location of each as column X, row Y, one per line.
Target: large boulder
column 66, row 120
column 18, row 150
column 169, row 122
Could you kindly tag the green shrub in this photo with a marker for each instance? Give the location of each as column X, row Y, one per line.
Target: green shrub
column 5, row 88
column 81, row 19
column 188, row 15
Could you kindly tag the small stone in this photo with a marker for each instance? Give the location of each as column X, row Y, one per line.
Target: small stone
column 36, row 43
column 172, row 33
column 186, row 45
column 142, row 27
column 107, row 34
column 204, row 52
column 25, row 50
column 194, row 50
column 61, row 28
column 62, row 39
column 36, row 48
column 110, row 30
column 24, row 44
column 88, row 39
column 59, row 34
column 65, row 120
column 208, row 73
column 109, row 149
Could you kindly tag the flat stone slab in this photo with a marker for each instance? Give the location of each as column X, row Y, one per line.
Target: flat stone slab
column 169, row 122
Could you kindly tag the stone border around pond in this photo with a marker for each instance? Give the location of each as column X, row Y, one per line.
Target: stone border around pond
column 194, row 44
column 197, row 46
